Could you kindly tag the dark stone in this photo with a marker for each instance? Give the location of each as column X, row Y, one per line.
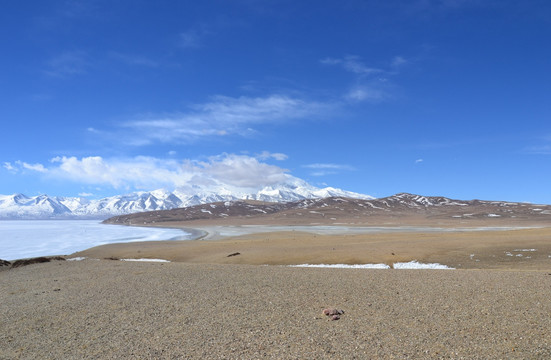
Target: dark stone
column 332, row 312
column 234, row 254
column 4, row 263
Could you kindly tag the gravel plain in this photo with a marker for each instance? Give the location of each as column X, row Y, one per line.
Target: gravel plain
column 107, row 309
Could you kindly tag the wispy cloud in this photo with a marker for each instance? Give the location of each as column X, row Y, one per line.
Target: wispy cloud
column 367, row 93
column 398, row 61
column 353, row 64
column 538, row 150
column 8, row 166
column 22, row 166
column 322, row 169
column 132, row 59
column 222, row 116
column 193, row 37
column 371, row 83
column 67, row 64
column 418, row 161
column 266, row 155
column 145, row 172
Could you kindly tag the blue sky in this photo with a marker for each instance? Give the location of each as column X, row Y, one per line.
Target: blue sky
column 448, row 97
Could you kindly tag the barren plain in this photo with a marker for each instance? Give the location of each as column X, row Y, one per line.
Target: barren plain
column 229, row 295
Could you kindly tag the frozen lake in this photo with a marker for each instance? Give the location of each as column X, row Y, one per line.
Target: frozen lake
column 30, row 238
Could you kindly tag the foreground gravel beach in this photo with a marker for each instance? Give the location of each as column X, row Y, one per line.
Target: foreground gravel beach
column 113, row 310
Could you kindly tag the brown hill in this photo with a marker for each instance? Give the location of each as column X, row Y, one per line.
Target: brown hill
column 399, row 209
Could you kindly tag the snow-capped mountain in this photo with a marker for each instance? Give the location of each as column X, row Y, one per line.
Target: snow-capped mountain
column 19, row 206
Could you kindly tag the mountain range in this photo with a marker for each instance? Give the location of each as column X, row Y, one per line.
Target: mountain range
column 19, row 206
column 401, row 209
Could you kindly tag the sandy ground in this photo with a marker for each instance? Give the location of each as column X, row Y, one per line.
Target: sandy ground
column 113, row 310
column 522, row 249
column 206, row 305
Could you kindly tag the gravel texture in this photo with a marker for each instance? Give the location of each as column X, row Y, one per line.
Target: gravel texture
column 110, row 309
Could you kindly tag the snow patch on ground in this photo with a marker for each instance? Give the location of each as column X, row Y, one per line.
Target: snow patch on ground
column 345, row 266
column 417, row 265
column 400, row 265
column 151, row 260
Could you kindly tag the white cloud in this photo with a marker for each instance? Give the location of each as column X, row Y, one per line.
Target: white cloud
column 8, row 166
column 144, row 172
column 265, row 155
column 34, row 167
column 85, row 194
column 322, row 169
column 138, row 172
column 419, row 161
column 242, row 171
column 222, row 116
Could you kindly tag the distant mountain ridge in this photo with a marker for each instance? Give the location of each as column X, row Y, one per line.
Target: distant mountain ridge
column 19, row 206
column 391, row 210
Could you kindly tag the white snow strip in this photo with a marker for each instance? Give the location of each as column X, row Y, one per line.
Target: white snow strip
column 345, row 266
column 152, row 260
column 494, row 215
column 525, row 250
column 78, row 258
column 401, row 265
column 417, row 265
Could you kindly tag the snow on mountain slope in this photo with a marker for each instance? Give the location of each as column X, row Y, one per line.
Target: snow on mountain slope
column 19, row 206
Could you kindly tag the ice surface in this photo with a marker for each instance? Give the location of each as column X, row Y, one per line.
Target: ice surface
column 29, row 238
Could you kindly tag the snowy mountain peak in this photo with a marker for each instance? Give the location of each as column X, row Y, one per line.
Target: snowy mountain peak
column 19, row 206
